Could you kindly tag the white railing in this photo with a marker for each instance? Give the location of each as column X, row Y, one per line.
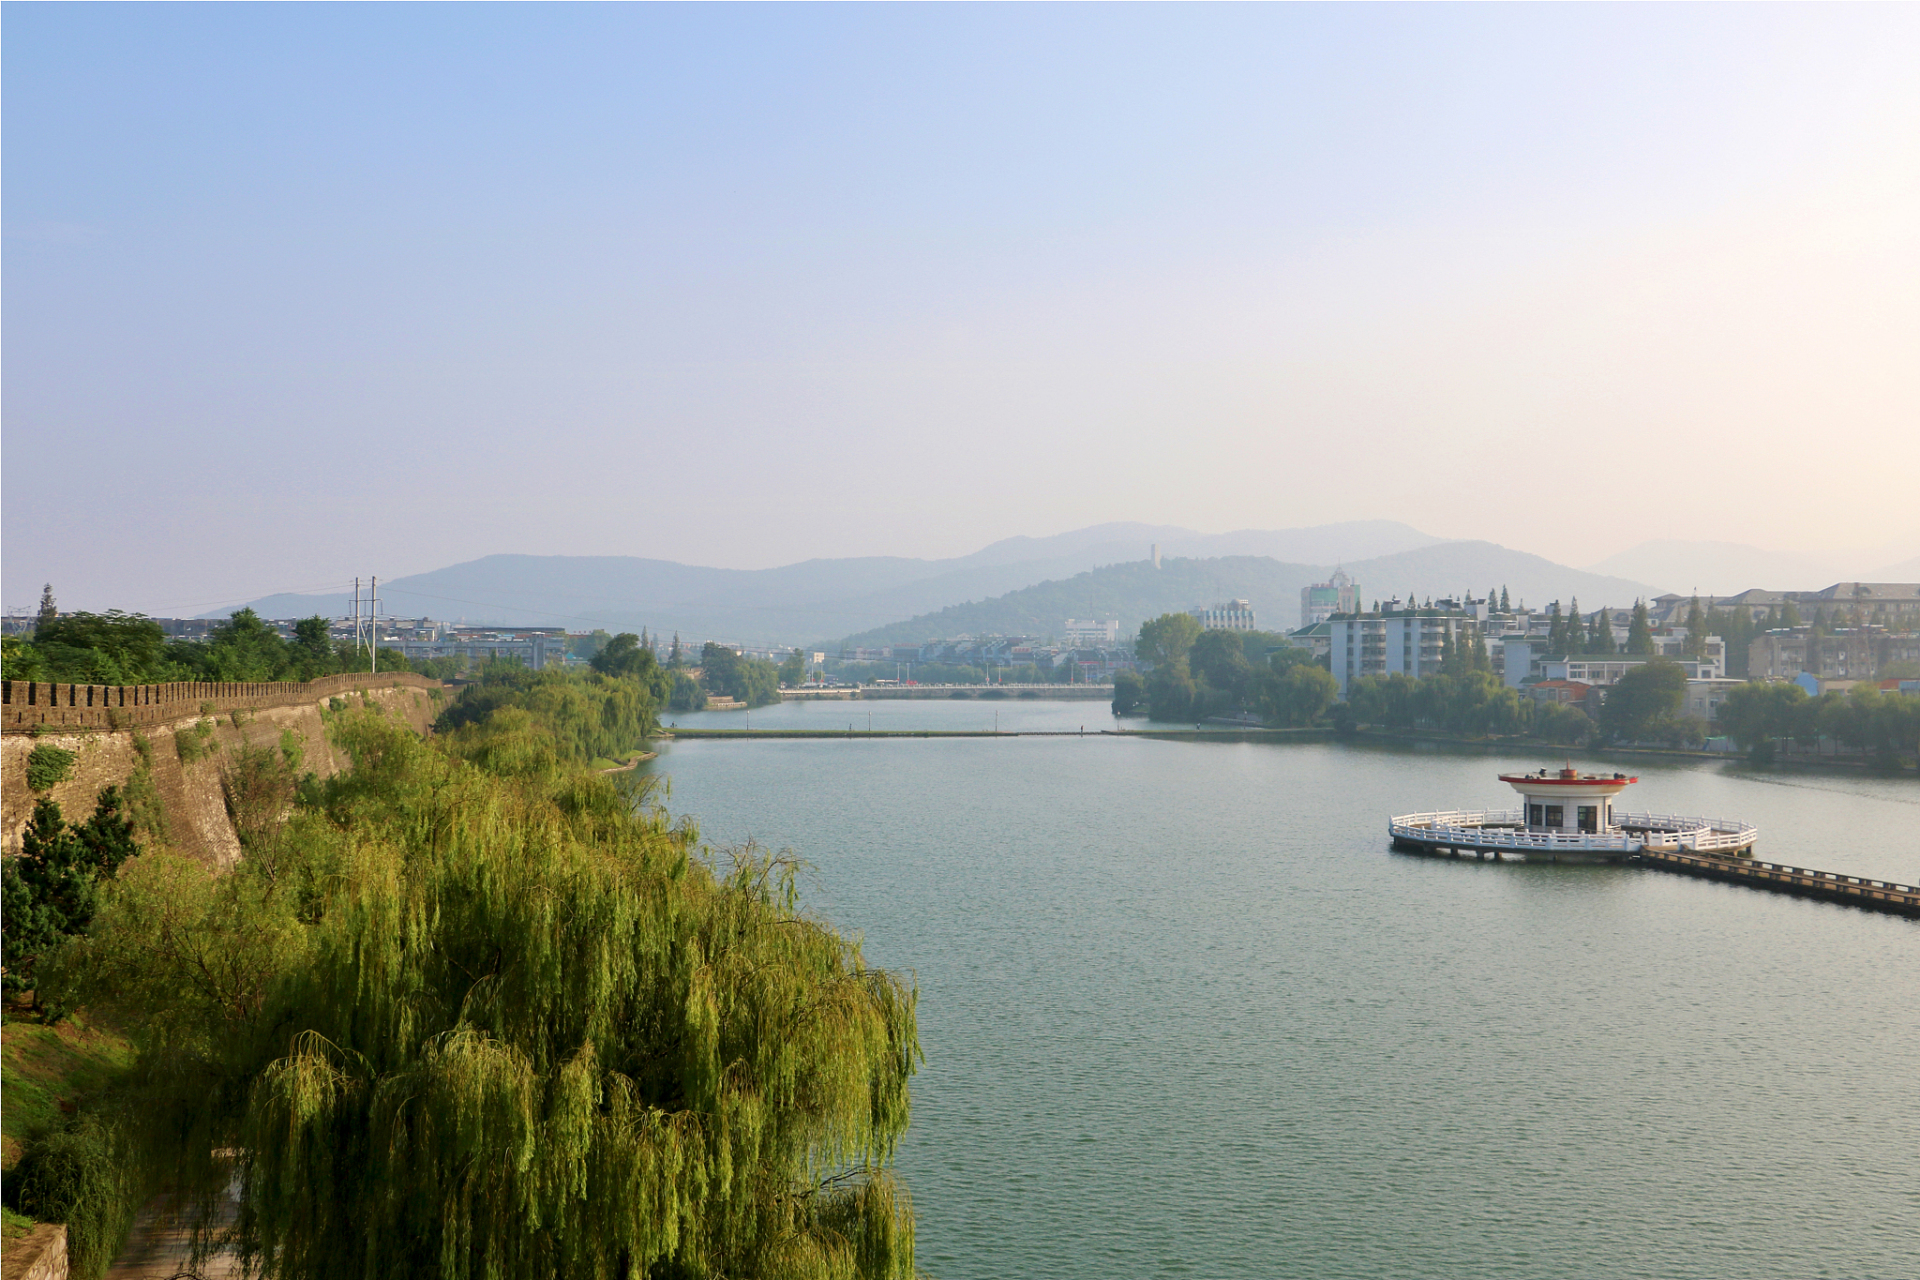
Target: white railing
column 1671, row 832
column 1464, row 818
column 1501, row 829
column 1505, row 829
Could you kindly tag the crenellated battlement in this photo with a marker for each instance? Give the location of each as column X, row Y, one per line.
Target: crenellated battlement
column 26, row 705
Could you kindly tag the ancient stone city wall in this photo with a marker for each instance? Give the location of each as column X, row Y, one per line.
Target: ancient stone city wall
column 190, row 791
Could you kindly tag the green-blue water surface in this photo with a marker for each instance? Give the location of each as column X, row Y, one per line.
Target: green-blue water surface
column 1185, row 1014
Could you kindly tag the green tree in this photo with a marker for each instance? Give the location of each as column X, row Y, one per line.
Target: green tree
column 1166, row 639
column 1756, row 715
column 1164, row 643
column 244, row 648
column 1696, row 643
column 793, row 672
column 724, row 671
column 687, row 693
column 504, row 1022
column 1885, row 724
column 1382, row 700
column 19, row 660
column 1639, row 631
column 50, row 887
column 1505, row 607
column 310, row 654
column 103, row 648
column 624, row 655
column 1736, row 627
column 49, row 609
column 1297, row 695
column 1561, row 725
column 1600, row 634
column 1482, row 657
column 1129, row 692
column 1220, row 659
column 588, row 716
column 1645, row 703
column 1172, row 693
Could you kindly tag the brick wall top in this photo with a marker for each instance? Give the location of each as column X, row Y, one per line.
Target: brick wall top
column 27, row 704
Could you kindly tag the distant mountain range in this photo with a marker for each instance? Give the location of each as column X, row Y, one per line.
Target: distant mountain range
column 1135, row 591
column 1018, row 581
column 1728, row 568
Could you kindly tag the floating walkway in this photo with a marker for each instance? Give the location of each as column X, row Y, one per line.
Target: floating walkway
column 1858, row 891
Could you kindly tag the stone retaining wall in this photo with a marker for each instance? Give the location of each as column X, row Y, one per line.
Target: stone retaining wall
column 41, row 1254
column 190, row 790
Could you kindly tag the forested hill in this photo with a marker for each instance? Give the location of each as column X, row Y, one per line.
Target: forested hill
column 1132, row 592
column 1135, row 591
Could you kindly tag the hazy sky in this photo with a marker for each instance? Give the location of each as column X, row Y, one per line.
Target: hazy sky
column 294, row 293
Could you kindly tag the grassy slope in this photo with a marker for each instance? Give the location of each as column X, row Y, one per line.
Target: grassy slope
column 42, row 1066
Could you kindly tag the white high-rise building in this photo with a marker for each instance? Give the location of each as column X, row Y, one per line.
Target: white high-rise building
column 1338, row 594
column 1080, row 633
column 1233, row 615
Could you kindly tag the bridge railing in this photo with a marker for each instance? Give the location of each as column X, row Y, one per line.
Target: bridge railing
column 1753, row 867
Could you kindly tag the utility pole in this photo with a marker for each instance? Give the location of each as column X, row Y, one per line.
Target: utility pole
column 361, row 629
column 373, row 625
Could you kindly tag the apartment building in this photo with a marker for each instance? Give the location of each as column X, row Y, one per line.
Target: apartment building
column 1233, row 615
column 1380, row 644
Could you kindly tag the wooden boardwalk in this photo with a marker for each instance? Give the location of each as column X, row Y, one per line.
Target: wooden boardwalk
column 1857, row 891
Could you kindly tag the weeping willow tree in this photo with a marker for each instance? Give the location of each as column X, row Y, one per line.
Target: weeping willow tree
column 478, row 1014
column 588, row 714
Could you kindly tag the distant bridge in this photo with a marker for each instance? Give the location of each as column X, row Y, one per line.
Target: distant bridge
column 1089, row 692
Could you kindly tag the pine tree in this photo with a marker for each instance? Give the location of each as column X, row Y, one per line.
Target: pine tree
column 1600, row 634
column 1504, row 606
column 1640, row 631
column 673, row 654
column 1576, row 629
column 49, row 611
column 51, row 887
column 1696, row 630
column 1556, row 631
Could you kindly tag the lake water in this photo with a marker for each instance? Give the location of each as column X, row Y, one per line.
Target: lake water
column 1185, row 1014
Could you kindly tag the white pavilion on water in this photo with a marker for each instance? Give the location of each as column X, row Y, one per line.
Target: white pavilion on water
column 1567, row 816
